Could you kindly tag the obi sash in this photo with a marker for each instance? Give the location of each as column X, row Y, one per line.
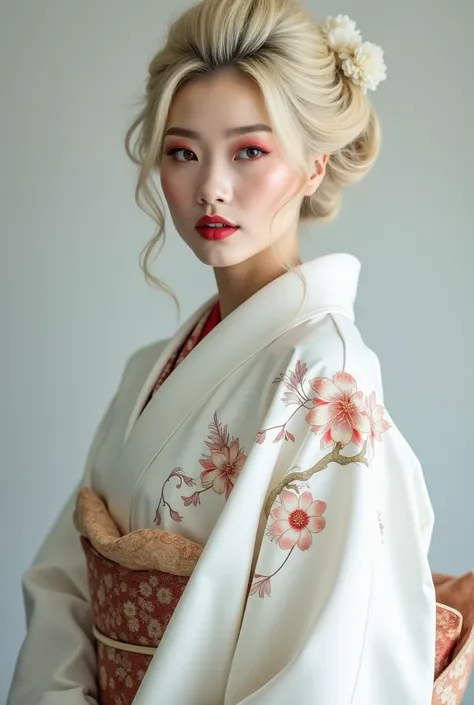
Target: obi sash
column 135, row 583
column 137, row 580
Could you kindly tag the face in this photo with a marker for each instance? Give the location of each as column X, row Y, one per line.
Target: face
column 242, row 176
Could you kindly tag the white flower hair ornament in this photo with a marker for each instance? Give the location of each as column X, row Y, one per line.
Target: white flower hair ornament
column 360, row 61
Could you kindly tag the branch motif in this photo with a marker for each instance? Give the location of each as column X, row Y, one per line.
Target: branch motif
column 221, row 468
column 333, row 457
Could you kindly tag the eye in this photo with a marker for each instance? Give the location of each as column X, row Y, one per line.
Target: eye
column 254, row 149
column 170, row 151
column 173, row 150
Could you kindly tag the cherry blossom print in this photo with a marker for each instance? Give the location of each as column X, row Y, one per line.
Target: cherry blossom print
column 294, row 520
column 295, row 396
column 338, row 412
column 295, row 477
column 262, row 585
column 179, row 476
column 222, row 466
column 378, row 424
column 219, row 437
column 194, row 499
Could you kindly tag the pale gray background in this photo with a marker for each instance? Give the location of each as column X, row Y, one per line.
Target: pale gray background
column 73, row 302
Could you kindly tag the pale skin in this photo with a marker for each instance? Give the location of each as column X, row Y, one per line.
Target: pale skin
column 215, row 173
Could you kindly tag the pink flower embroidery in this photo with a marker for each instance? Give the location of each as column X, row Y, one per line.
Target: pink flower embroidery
column 296, row 519
column 296, row 396
column 222, row 469
column 341, row 414
column 180, row 477
column 378, row 425
column 338, row 411
column 263, row 587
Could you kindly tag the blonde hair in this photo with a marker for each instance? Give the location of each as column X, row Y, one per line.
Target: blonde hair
column 313, row 107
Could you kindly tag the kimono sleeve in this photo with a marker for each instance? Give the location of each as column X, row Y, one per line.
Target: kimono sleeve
column 57, row 661
column 341, row 605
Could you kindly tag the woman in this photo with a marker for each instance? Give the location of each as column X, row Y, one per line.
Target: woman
column 255, row 444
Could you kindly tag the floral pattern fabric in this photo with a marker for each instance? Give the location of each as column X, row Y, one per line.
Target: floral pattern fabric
column 132, row 605
column 448, row 629
column 132, row 608
column 204, row 326
column 155, row 550
column 340, row 413
column 458, row 593
column 222, row 466
column 451, row 685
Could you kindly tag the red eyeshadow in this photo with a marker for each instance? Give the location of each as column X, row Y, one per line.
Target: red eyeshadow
column 248, row 144
column 175, row 145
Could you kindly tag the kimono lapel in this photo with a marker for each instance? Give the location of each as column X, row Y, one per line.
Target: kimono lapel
column 331, row 287
column 173, row 344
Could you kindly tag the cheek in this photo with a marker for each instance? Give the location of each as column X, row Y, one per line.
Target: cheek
column 272, row 187
column 172, row 190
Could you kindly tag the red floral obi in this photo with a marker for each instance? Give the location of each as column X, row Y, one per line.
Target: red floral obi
column 136, row 582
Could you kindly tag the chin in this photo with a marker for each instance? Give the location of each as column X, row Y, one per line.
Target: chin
column 213, row 258
column 226, row 253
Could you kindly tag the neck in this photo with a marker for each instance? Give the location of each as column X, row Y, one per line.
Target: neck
column 239, row 282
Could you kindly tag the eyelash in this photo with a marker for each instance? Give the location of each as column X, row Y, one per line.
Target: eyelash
column 172, row 150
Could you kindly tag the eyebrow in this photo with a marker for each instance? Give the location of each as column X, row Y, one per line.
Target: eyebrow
column 245, row 129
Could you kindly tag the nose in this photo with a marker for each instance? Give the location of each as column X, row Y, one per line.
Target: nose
column 214, row 185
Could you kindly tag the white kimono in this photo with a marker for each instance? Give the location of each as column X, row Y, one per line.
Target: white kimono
column 269, row 445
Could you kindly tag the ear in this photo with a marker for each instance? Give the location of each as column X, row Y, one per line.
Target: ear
column 317, row 175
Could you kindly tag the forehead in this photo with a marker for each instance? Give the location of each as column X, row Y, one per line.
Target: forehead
column 218, row 101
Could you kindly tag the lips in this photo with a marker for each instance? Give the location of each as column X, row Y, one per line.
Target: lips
column 209, row 233
column 214, row 219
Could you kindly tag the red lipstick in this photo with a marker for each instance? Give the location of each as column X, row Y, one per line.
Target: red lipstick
column 214, row 227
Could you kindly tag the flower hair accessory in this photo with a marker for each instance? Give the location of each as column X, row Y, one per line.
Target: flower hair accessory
column 360, row 61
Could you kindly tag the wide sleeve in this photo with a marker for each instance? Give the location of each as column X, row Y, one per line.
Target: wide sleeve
column 57, row 661
column 341, row 607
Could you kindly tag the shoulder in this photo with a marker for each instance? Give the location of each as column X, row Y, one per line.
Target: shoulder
column 136, row 369
column 141, row 360
column 328, row 345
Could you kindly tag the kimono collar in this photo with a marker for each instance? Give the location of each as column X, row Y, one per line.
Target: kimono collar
column 272, row 311
column 332, row 283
